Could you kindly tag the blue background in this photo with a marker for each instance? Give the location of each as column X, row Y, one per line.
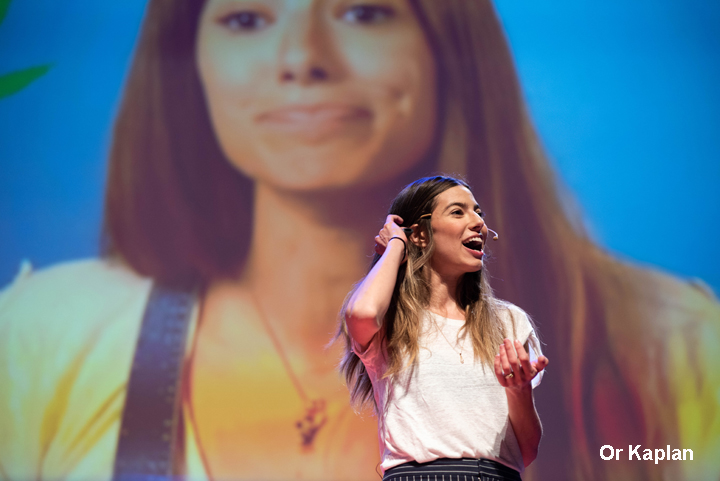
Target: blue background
column 624, row 95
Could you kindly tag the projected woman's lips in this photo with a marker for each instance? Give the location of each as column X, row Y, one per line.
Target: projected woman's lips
column 315, row 122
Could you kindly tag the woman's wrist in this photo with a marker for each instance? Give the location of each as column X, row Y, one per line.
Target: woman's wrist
column 404, row 257
column 521, row 395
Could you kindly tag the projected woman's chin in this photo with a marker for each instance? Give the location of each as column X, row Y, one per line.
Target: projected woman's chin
column 311, row 98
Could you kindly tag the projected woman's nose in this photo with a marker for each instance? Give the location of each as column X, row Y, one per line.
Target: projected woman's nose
column 306, row 53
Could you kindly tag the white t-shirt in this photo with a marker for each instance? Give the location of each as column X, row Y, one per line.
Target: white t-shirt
column 441, row 407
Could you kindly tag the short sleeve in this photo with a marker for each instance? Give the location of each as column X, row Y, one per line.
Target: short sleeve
column 373, row 356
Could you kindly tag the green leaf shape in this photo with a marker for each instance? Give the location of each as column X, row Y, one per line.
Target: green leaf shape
column 4, row 4
column 16, row 81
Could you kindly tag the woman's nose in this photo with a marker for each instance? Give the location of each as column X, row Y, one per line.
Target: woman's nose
column 307, row 53
column 479, row 226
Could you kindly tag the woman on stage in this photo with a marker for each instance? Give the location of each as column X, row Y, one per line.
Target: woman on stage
column 449, row 367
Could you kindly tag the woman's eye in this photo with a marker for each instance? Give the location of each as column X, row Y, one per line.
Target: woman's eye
column 480, row 213
column 368, row 14
column 245, row 21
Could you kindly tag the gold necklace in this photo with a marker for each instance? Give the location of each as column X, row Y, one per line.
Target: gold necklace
column 462, row 361
column 315, row 416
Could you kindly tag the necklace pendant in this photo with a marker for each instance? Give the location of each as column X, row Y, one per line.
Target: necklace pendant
column 309, row 425
column 462, row 361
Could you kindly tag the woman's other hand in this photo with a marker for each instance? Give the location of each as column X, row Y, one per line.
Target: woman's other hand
column 515, row 372
column 513, row 367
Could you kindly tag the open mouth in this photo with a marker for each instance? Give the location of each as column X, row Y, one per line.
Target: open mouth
column 475, row 244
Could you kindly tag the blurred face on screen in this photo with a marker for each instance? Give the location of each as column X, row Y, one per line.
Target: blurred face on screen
column 311, row 94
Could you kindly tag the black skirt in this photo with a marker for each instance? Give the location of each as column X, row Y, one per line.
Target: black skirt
column 446, row 469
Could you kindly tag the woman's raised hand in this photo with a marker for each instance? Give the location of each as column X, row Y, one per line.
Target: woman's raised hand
column 513, row 367
column 368, row 304
column 389, row 230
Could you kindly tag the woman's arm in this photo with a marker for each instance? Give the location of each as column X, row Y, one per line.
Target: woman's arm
column 517, row 381
column 371, row 299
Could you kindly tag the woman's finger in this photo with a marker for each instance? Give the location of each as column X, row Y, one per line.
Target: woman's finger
column 394, row 218
column 512, row 358
column 505, row 363
column 527, row 371
column 541, row 363
column 380, row 245
column 498, row 371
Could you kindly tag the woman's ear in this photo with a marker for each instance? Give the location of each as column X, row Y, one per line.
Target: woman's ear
column 419, row 236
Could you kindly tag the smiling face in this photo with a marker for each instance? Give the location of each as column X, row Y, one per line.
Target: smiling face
column 459, row 233
column 309, row 94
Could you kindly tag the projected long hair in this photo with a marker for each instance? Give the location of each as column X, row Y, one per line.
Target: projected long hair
column 178, row 212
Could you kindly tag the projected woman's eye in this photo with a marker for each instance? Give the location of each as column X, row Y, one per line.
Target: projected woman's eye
column 246, row 21
column 368, row 14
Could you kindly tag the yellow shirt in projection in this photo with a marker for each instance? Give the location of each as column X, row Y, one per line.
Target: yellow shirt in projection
column 67, row 341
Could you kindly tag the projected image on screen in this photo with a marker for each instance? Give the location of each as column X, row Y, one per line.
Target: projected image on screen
column 256, row 148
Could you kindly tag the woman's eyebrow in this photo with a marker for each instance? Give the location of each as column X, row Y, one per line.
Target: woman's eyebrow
column 462, row 205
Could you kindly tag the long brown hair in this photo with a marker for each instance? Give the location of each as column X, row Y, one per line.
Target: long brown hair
column 403, row 320
column 175, row 209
